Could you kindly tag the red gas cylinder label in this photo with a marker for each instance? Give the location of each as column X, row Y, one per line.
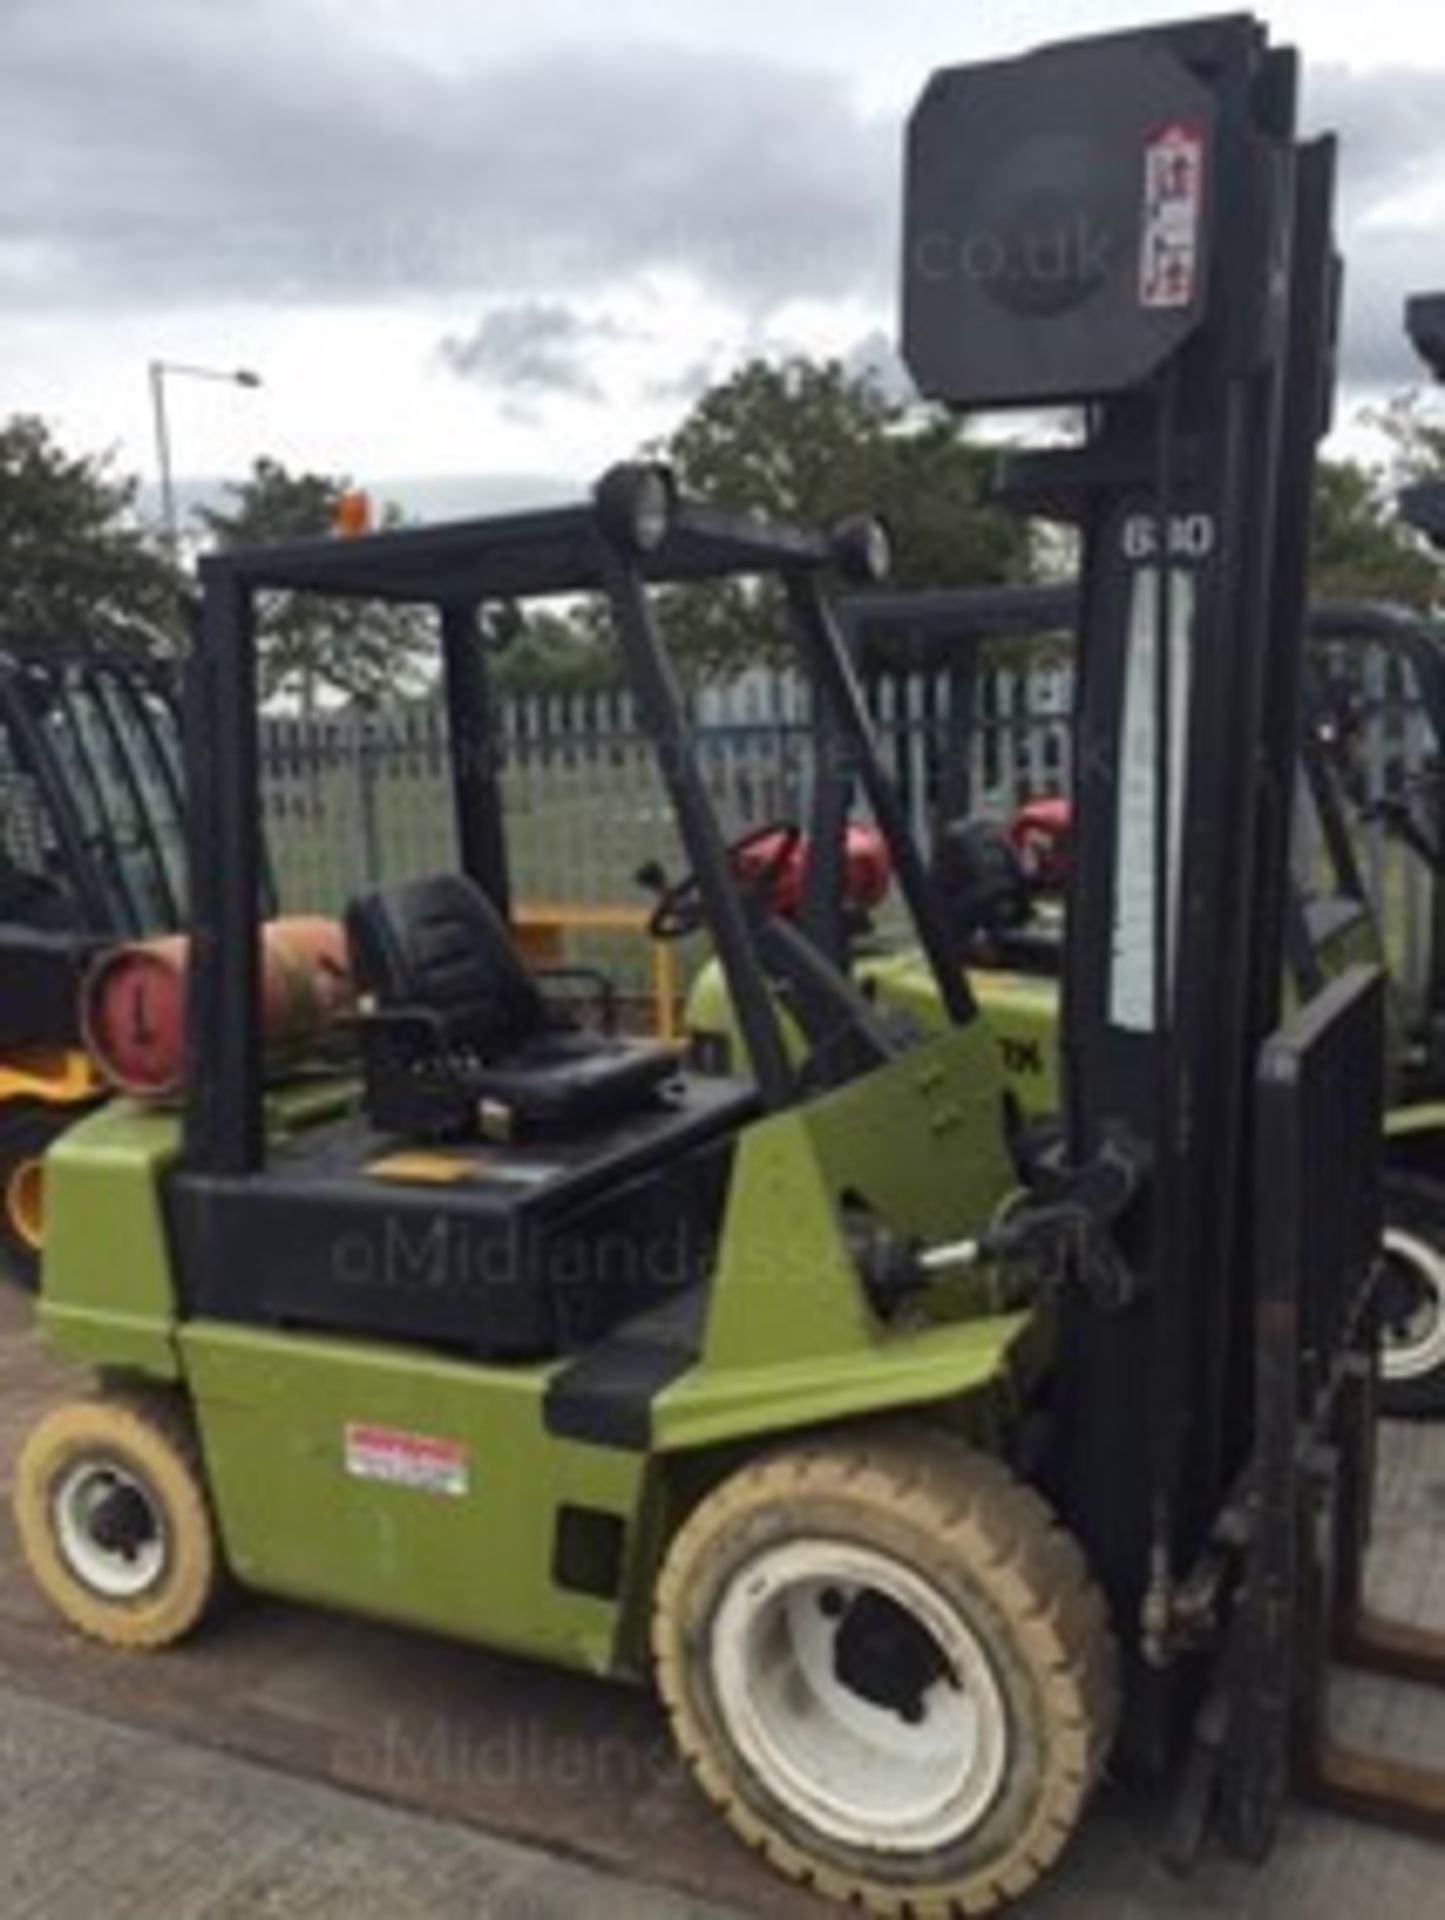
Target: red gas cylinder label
column 416, row 1460
column 1169, row 244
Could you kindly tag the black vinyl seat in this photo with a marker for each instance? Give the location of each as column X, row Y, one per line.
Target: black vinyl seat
column 458, row 1031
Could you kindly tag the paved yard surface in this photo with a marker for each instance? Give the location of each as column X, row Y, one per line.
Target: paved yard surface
column 205, row 1781
column 99, row 1820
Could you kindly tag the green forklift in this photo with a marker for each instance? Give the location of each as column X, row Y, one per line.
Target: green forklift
column 519, row 1331
column 919, row 1473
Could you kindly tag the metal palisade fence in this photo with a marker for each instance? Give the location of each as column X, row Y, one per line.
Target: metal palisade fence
column 352, row 797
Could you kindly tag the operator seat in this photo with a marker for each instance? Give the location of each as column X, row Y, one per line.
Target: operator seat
column 980, row 874
column 458, row 1035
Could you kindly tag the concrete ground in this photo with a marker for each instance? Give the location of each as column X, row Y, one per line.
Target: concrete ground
column 293, row 1763
column 104, row 1822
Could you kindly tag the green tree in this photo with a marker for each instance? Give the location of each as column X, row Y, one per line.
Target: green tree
column 1361, row 548
column 543, row 651
column 75, row 560
column 1414, row 425
column 311, row 647
column 812, row 442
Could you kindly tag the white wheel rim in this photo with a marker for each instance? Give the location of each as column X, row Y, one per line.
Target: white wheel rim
column 1414, row 1348
column 113, row 1569
column 856, row 1770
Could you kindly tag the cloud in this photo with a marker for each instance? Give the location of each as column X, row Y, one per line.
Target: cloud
column 173, row 153
column 169, row 153
column 875, row 358
column 1391, row 127
column 690, row 382
column 536, row 347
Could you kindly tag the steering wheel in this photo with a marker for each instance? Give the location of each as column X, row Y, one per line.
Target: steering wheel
column 679, row 911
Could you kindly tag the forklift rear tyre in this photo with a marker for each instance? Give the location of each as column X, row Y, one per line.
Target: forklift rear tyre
column 888, row 1667
column 27, row 1129
column 111, row 1507
column 1412, row 1337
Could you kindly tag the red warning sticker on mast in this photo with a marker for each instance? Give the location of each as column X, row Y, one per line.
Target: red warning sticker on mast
column 1173, row 218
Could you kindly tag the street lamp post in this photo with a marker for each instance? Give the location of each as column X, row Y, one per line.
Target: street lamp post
column 159, row 370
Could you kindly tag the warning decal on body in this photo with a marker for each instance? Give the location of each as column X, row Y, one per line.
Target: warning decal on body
column 1173, row 217
column 417, row 1460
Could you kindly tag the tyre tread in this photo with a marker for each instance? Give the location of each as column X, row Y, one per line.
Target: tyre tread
column 162, row 1416
column 1036, row 1573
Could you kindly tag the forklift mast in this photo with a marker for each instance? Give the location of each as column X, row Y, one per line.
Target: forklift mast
column 1128, row 225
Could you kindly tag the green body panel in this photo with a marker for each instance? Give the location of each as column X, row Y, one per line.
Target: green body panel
column 973, row 1366
column 1355, row 942
column 274, row 1411
column 106, row 1297
column 790, row 1337
column 1416, row 1121
column 461, row 1539
column 1021, row 1011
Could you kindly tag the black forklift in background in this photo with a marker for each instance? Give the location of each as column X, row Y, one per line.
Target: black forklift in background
column 1376, row 773
column 1416, row 813
column 92, row 851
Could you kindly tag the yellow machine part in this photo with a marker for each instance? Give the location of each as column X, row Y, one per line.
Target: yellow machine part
column 543, row 930
column 59, row 1076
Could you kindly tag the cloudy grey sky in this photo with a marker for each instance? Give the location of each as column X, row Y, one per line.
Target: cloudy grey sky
column 504, row 240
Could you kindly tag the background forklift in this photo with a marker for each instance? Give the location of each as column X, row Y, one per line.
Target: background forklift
column 1396, row 800
column 91, row 851
column 552, row 1345
column 1005, row 916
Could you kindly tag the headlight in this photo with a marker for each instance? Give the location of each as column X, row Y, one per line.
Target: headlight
column 634, row 505
column 861, row 551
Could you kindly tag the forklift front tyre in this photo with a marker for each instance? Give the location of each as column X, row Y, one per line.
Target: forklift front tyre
column 1412, row 1314
column 114, row 1522
column 888, row 1667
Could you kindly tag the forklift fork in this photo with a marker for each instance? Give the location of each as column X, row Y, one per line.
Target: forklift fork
column 1339, row 1625
column 1305, row 1515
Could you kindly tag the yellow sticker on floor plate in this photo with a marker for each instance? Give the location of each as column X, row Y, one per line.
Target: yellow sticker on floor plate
column 433, row 1169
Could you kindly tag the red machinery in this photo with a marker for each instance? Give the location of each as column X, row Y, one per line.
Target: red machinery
column 776, row 860
column 1041, row 833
